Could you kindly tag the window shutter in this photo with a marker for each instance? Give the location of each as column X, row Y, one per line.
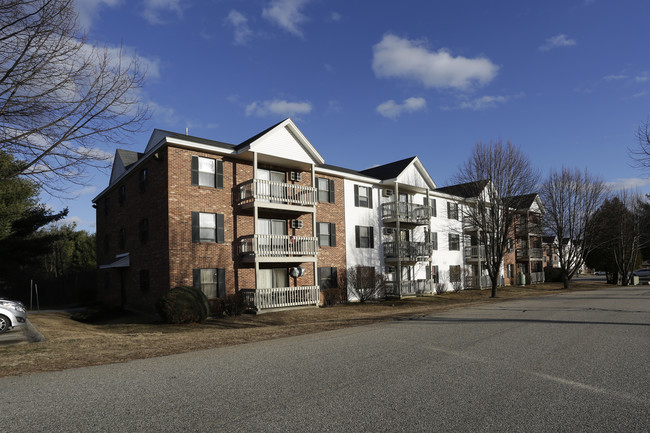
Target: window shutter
column 220, row 229
column 196, row 278
column 356, row 195
column 331, row 188
column 195, row 227
column 371, row 236
column 332, row 235
column 195, row 170
column 369, row 197
column 221, row 283
column 356, row 236
column 319, row 277
column 435, row 240
column 335, row 279
column 433, row 207
column 219, row 174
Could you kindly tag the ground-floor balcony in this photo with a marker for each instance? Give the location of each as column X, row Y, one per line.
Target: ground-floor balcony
column 276, row 195
column 408, row 252
column 482, row 282
column 274, row 248
column 529, row 253
column 409, row 288
column 280, row 297
column 535, row 277
column 406, row 213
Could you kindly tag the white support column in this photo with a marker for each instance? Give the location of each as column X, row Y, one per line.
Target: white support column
column 398, row 240
column 313, row 228
column 255, row 217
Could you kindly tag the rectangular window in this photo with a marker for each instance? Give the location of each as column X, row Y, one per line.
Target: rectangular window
column 509, row 245
column 207, row 172
column 454, row 242
column 212, row 282
column 207, row 227
column 452, row 210
column 434, row 211
column 325, row 190
column 143, row 179
column 121, row 195
column 364, row 237
column 326, row 233
column 511, row 270
column 362, row 196
column 454, row 274
column 434, row 274
column 144, row 280
column 327, row 278
column 144, row 230
column 122, row 239
column 433, row 238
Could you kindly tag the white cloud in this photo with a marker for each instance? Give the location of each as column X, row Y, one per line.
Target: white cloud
column 153, row 9
column 95, row 153
column 91, row 189
column 162, row 113
column 395, row 57
column 286, row 14
column 88, row 10
column 239, row 22
column 393, row 110
column 278, row 107
column 557, row 41
column 628, row 183
column 485, row 102
column 615, row 77
column 335, row 16
column 642, row 78
column 640, row 94
column 77, row 221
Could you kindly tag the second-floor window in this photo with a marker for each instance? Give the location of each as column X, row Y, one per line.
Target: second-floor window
column 454, row 242
column 432, row 237
column 364, row 237
column 452, row 210
column 143, row 179
column 122, row 238
column 144, row 230
column 207, row 172
column 326, row 233
column 362, row 196
column 207, row 227
column 432, row 204
column 121, row 195
column 325, row 190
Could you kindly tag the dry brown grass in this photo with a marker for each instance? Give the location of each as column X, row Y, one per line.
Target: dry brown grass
column 70, row 344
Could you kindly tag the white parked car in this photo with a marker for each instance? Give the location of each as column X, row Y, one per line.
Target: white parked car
column 12, row 314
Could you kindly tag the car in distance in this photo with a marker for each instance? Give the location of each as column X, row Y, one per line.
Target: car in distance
column 12, row 314
column 643, row 274
column 600, row 273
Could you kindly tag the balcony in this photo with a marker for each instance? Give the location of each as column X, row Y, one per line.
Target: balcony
column 528, row 229
column 276, row 195
column 409, row 288
column 280, row 297
column 479, row 283
column 475, row 252
column 529, row 253
column 406, row 213
column 277, row 248
column 535, row 277
column 407, row 251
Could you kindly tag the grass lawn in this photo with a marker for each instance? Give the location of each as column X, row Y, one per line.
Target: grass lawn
column 71, row 344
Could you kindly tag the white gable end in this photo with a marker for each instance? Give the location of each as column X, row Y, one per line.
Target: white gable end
column 281, row 143
column 413, row 176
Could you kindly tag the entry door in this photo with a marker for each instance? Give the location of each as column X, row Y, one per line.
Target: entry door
column 273, row 192
column 271, row 278
column 272, row 245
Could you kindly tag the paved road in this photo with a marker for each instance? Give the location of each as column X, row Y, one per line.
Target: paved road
column 568, row 363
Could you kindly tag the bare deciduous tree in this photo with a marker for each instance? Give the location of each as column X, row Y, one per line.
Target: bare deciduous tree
column 640, row 153
column 365, row 282
column 571, row 197
column 494, row 173
column 62, row 99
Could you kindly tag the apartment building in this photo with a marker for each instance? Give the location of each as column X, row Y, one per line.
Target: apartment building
column 268, row 219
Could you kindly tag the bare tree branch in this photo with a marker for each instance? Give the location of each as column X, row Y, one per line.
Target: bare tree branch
column 640, row 154
column 62, row 101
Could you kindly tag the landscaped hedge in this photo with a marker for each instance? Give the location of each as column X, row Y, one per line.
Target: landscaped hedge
column 184, row 304
column 552, row 275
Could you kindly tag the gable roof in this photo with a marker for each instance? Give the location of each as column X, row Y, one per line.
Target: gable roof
column 465, row 190
column 388, row 171
column 160, row 134
column 256, row 136
column 524, row 201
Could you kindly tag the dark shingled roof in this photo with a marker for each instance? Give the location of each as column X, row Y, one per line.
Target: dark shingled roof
column 129, row 157
column 256, row 136
column 196, row 139
column 520, row 201
column 466, row 190
column 343, row 169
column 388, row 171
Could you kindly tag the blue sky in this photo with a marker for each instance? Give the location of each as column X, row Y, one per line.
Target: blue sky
column 566, row 81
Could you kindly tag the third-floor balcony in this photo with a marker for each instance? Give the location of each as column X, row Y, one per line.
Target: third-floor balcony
column 276, row 195
column 407, row 213
column 407, row 251
column 528, row 228
column 475, row 252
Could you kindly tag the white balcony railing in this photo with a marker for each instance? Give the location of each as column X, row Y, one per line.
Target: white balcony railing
column 266, row 191
column 409, row 287
column 536, row 277
column 529, row 253
column 262, row 245
column 280, row 297
column 407, row 251
column 406, row 212
column 473, row 252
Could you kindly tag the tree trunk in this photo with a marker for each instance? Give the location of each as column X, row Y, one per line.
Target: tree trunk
column 565, row 280
column 494, row 289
